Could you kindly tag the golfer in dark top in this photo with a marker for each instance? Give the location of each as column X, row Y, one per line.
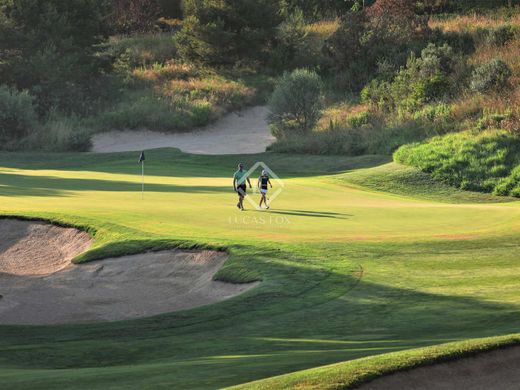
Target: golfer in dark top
column 239, row 185
column 263, row 181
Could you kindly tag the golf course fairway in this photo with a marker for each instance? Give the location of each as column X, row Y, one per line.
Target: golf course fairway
column 351, row 265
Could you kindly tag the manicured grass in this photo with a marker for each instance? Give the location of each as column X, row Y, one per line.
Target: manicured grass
column 348, row 375
column 346, row 272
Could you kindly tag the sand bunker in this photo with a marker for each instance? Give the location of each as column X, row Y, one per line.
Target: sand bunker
column 37, row 248
column 491, row 370
column 243, row 133
column 39, row 285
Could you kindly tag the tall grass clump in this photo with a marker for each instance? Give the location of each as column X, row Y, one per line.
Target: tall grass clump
column 61, row 134
column 485, row 161
column 17, row 116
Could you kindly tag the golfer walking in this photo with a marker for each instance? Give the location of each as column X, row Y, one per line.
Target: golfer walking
column 239, row 185
column 263, row 181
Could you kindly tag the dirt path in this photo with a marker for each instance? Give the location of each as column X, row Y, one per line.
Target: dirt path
column 243, row 133
column 39, row 285
column 491, row 370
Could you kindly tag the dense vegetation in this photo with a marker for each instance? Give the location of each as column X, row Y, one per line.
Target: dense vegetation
column 484, row 161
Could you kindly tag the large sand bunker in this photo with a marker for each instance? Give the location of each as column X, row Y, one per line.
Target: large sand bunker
column 236, row 133
column 39, row 285
column 491, row 370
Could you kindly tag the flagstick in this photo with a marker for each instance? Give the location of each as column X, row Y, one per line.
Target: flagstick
column 142, row 179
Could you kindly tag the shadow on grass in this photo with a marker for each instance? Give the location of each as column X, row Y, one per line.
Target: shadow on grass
column 173, row 163
column 14, row 184
column 307, row 213
column 302, row 315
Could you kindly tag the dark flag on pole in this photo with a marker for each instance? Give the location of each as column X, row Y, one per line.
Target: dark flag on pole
column 141, row 161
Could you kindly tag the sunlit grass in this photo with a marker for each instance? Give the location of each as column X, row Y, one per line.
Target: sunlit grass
column 346, row 271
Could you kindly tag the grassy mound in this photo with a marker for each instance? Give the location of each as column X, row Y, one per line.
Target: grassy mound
column 409, row 181
column 486, row 162
column 349, row 375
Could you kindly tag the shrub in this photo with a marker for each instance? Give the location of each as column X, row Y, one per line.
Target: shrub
column 359, row 120
column 296, row 103
column 436, row 119
column 492, row 76
column 377, row 93
column 422, row 81
column 17, row 116
column 499, row 36
column 437, row 59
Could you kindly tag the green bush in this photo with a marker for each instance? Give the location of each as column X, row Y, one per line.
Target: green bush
column 422, row 81
column 491, row 77
column 359, row 120
column 470, row 161
column 296, row 103
column 498, row 36
column 365, row 40
column 436, row 119
column 17, row 116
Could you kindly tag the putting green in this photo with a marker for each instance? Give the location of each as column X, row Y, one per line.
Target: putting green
column 346, row 271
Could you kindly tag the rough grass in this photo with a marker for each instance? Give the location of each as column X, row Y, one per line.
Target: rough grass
column 469, row 160
column 346, row 273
